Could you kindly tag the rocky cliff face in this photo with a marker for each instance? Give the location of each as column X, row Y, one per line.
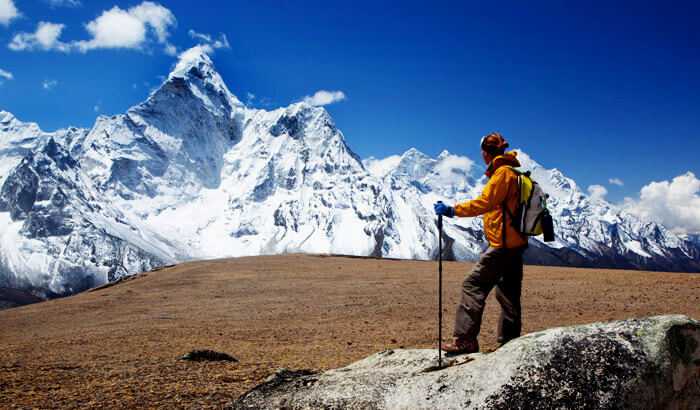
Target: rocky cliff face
column 651, row 363
column 59, row 235
column 193, row 173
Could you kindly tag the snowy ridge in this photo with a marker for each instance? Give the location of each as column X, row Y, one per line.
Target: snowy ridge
column 193, row 173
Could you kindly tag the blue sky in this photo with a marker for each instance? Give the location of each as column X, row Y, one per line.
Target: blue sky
column 600, row 90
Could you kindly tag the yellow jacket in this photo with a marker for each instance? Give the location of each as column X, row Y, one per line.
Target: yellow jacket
column 502, row 187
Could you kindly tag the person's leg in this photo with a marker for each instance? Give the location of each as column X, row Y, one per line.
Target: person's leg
column 508, row 291
column 475, row 289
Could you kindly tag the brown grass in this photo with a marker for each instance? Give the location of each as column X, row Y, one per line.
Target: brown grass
column 119, row 346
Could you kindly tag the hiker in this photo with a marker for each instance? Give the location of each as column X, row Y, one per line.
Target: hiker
column 501, row 264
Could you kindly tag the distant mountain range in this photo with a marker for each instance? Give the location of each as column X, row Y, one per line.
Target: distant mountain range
column 194, row 173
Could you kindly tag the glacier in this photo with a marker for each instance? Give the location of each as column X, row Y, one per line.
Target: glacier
column 193, row 173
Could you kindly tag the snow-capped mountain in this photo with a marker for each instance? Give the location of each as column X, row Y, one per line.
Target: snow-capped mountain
column 193, row 173
column 592, row 232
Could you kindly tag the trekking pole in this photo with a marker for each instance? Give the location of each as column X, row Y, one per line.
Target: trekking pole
column 439, row 291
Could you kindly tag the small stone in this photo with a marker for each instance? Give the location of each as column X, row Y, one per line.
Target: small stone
column 208, row 355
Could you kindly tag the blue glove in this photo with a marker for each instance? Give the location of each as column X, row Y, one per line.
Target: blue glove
column 442, row 209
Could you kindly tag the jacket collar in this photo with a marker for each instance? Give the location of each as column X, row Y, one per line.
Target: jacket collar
column 508, row 158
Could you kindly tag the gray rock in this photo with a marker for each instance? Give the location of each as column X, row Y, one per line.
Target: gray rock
column 651, row 363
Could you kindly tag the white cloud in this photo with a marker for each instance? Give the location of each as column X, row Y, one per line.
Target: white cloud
column 381, row 167
column 114, row 28
column 221, row 42
column 597, row 192
column 250, row 98
column 675, row 204
column 46, row 37
column 8, row 12
column 616, row 181
column 453, row 167
column 6, row 74
column 199, row 36
column 449, row 168
column 170, row 50
column 64, row 3
column 49, row 84
column 323, row 97
column 47, row 34
column 158, row 17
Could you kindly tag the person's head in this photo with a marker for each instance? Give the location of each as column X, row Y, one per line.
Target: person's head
column 492, row 146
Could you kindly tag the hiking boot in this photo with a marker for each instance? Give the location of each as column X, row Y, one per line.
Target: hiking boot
column 460, row 346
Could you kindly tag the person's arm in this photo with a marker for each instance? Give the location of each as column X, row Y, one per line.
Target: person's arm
column 492, row 197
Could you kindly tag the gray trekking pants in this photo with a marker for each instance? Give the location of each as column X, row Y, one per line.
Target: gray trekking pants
column 502, row 268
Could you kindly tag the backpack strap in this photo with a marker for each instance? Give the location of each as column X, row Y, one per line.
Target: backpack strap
column 504, row 207
column 503, row 229
column 505, row 213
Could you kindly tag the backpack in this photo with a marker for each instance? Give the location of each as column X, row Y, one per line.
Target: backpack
column 531, row 217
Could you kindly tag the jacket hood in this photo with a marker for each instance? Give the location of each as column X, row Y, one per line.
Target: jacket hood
column 509, row 158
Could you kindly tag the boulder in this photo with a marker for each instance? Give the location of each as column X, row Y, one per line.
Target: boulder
column 650, row 363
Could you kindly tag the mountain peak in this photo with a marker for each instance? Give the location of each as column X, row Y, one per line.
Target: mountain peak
column 6, row 117
column 444, row 154
column 303, row 106
column 13, row 126
column 413, row 153
column 196, row 66
column 526, row 161
column 195, row 58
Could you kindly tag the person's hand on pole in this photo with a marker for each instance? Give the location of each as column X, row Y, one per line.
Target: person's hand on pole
column 444, row 210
